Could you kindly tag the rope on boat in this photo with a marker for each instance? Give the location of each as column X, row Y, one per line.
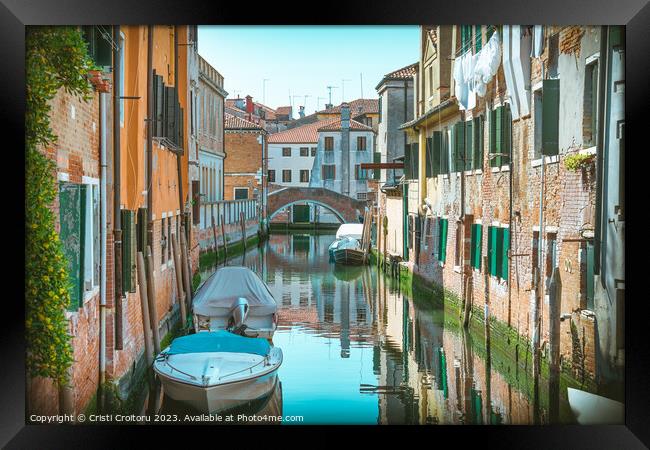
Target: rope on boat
column 248, row 368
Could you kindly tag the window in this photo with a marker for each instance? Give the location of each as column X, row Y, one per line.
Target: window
column 590, row 105
column 465, row 38
column 241, row 193
column 477, row 158
column 411, row 161
column 478, row 38
column 361, row 143
column 313, row 151
column 362, row 195
column 359, row 173
column 304, row 151
column 304, row 176
column 498, row 246
column 99, row 47
column 169, row 236
column 550, row 117
column 433, row 154
column 79, row 234
column 500, row 135
column 286, row 176
column 476, row 242
column 271, row 176
column 537, row 105
column 553, row 52
column 163, row 241
column 442, row 239
column 286, row 151
column 329, row 143
column 446, row 150
column 329, row 171
column 458, row 147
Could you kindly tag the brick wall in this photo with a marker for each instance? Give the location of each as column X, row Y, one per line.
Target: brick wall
column 244, row 156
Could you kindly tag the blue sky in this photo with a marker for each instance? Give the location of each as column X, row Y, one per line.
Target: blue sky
column 303, row 60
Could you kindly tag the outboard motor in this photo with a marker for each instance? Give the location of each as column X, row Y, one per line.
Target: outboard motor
column 239, row 312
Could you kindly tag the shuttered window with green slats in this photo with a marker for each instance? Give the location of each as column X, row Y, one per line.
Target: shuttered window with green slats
column 442, row 240
column 415, row 161
column 550, row 117
column 498, row 246
column 469, row 145
column 478, row 38
column 500, row 135
column 429, row 159
column 437, row 153
column 477, row 231
column 458, row 148
column 407, row 162
column 477, row 157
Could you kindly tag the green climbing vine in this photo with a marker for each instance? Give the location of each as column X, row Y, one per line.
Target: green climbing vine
column 56, row 58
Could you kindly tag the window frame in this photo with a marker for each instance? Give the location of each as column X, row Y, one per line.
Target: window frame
column 286, row 172
column 240, row 188
column 286, row 152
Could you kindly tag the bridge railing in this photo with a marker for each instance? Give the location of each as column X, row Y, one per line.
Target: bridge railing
column 229, row 210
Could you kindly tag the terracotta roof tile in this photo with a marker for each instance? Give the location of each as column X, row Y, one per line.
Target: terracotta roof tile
column 404, row 72
column 237, row 123
column 357, row 107
column 336, row 125
column 283, row 110
column 306, row 134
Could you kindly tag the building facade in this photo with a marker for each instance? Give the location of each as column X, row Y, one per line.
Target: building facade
column 343, row 145
column 501, row 180
column 245, row 166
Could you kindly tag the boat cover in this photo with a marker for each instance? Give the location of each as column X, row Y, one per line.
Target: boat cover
column 218, row 341
column 348, row 242
column 353, row 230
column 219, row 293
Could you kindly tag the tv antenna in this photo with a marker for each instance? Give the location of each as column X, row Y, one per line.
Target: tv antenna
column 329, row 88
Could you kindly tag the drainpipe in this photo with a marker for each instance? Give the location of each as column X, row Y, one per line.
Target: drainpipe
column 602, row 93
column 149, row 133
column 102, row 247
column 117, row 186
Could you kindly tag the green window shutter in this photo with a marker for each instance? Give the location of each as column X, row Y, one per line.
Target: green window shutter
column 437, row 152
column 142, row 230
column 407, row 162
column 499, row 133
column 493, row 135
column 129, row 245
column 504, row 258
column 478, row 38
column 459, row 146
column 495, row 239
column 507, row 134
column 442, row 250
column 469, row 145
column 476, row 245
column 477, row 158
column 550, row 117
column 71, row 235
column 429, row 159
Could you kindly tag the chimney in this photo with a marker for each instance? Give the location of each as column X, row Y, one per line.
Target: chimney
column 249, row 104
column 328, row 105
column 345, row 148
column 301, row 113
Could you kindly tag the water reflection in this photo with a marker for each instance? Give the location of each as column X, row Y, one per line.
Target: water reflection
column 358, row 350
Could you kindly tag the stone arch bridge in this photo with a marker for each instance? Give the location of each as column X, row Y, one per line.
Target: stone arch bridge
column 347, row 209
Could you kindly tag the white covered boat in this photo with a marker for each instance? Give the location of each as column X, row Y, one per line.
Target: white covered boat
column 235, row 298
column 347, row 236
column 217, row 371
column 592, row 409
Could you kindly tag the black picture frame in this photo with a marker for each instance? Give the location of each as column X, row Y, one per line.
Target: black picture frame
column 16, row 14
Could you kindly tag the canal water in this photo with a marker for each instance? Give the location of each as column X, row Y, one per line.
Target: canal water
column 360, row 350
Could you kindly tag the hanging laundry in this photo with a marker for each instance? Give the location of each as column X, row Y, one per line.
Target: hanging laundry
column 463, row 70
column 487, row 64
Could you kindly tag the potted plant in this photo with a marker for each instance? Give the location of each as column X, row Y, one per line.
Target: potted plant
column 578, row 161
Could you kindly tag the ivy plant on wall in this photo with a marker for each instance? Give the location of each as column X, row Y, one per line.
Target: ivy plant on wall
column 56, row 58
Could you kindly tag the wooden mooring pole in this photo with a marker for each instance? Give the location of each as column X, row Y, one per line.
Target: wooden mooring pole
column 186, row 272
column 225, row 241
column 242, row 222
column 146, row 321
column 179, row 280
column 214, row 235
column 153, row 308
